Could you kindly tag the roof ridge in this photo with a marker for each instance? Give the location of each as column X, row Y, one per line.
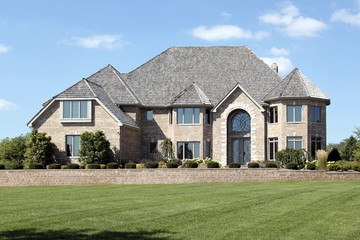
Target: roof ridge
column 109, row 65
column 290, row 75
column 297, row 71
column 201, row 93
column 182, row 93
column 87, row 83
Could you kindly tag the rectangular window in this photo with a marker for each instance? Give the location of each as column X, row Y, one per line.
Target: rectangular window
column 207, row 116
column 208, row 150
column 293, row 113
column 273, row 147
column 294, row 142
column 152, row 147
column 188, row 150
column 72, row 146
column 316, row 114
column 315, row 145
column 188, row 116
column 273, row 115
column 171, row 116
column 149, row 115
column 75, row 109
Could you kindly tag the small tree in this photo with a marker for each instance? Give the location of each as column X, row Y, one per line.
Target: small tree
column 167, row 149
column 39, row 149
column 13, row 149
column 291, row 155
column 334, row 155
column 94, row 148
column 349, row 148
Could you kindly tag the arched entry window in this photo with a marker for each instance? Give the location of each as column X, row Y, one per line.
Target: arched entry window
column 239, row 126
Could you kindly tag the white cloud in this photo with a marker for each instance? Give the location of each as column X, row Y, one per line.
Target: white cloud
column 225, row 32
column 284, row 64
column 226, row 14
column 4, row 48
column 345, row 16
column 108, row 42
column 279, row 51
column 7, row 106
column 292, row 23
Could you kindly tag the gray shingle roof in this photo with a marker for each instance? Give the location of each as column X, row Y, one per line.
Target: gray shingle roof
column 214, row 69
column 192, row 95
column 296, row 85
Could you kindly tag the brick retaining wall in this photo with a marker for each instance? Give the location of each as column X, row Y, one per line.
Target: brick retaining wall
column 162, row 176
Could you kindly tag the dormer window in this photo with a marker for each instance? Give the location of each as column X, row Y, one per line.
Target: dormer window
column 75, row 111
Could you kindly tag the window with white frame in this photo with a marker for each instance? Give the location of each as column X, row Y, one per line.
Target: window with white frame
column 188, row 116
column 72, row 145
column 273, row 115
column 315, row 114
column 315, row 145
column 75, row 110
column 294, row 142
column 294, row 114
column 273, row 148
column 188, row 150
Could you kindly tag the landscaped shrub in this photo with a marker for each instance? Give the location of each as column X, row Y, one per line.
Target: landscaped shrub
column 162, row 164
column 53, row 166
column 322, row 159
column 310, row 166
column 35, row 166
column 356, row 167
column 13, row 165
column 291, row 155
column 130, row 165
column 334, row 155
column 172, row 164
column 334, row 167
column 2, row 166
column 73, row 166
column 112, row 165
column 345, row 167
column 63, row 166
column 93, row 166
column 234, row 165
column 102, row 166
column 140, row 165
column 212, row 164
column 271, row 165
column 292, row 165
column 151, row 165
column 253, row 165
column 39, row 149
column 192, row 164
column 94, row 148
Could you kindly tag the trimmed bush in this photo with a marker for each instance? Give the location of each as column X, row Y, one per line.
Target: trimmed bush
column 93, row 166
column 192, row 164
column 334, row 167
column 253, row 165
column 53, row 166
column 310, row 166
column 73, row 166
column 112, row 165
column 172, row 165
column 290, row 155
column 130, row 165
column 102, row 166
column 334, row 155
column 345, row 167
column 13, row 165
column 271, row 165
column 212, row 164
column 140, row 165
column 162, row 164
column 35, row 166
column 234, row 165
column 2, row 166
column 63, row 166
column 292, row 165
column 151, row 165
column 356, row 167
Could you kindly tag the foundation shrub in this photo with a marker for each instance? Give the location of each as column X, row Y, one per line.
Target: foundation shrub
column 310, row 166
column 35, row 166
column 291, row 155
column 53, row 166
column 356, row 167
column 63, row 166
column 234, row 165
column 2, row 166
column 152, row 165
column 102, row 166
column 112, row 165
column 192, row 164
column 130, row 165
column 292, row 165
column 345, row 167
column 212, row 164
column 162, row 164
column 334, row 155
column 73, row 166
column 140, row 165
column 13, row 164
column 172, row 164
column 271, row 165
column 93, row 166
column 334, row 167
column 253, row 165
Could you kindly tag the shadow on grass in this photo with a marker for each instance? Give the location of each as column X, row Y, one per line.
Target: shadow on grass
column 83, row 234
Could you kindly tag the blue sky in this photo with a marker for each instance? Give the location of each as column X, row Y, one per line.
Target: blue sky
column 46, row 46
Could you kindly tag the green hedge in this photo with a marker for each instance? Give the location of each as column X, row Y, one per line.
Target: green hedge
column 192, row 164
column 112, row 165
column 212, row 164
column 172, row 165
column 292, row 165
column 151, row 164
column 93, row 166
column 253, row 165
column 130, row 165
column 271, row 165
column 356, row 167
column 310, row 166
column 73, row 166
column 345, row 167
column 234, row 165
column 334, row 167
column 35, row 166
column 53, row 166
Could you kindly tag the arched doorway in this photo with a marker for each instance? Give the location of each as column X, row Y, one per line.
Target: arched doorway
column 238, row 135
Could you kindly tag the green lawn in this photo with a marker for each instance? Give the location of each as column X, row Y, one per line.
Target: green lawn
column 255, row 210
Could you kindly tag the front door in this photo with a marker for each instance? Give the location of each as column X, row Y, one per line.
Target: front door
column 240, row 150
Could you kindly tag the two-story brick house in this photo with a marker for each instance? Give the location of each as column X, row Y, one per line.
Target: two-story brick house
column 218, row 102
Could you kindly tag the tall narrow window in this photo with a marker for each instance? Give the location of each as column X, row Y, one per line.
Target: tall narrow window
column 72, row 146
column 315, row 114
column 208, row 150
column 149, row 115
column 294, row 114
column 188, row 150
column 75, row 110
column 188, row 116
column 171, row 116
column 152, row 147
column 273, row 147
column 273, row 115
column 315, row 145
column 294, row 142
column 207, row 116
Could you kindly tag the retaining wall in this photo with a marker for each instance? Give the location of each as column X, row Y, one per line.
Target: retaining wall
column 36, row 177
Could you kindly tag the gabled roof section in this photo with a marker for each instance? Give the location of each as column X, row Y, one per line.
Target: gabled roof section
column 237, row 86
column 192, row 95
column 296, row 85
column 119, row 91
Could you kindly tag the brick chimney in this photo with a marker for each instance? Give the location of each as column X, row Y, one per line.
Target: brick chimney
column 274, row 67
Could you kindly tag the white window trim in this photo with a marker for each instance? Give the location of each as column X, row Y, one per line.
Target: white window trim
column 73, row 144
column 294, row 114
column 273, row 140
column 76, row 120
column 294, row 141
